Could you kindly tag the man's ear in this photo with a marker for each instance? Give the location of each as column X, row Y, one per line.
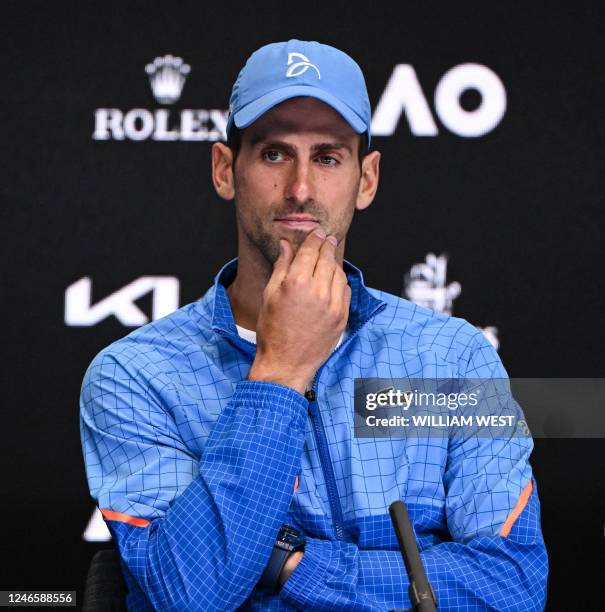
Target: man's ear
column 370, row 171
column 222, row 171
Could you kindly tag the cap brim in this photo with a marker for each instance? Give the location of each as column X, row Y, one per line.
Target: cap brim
column 250, row 113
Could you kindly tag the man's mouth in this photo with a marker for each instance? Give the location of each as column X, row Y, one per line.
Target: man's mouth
column 298, row 222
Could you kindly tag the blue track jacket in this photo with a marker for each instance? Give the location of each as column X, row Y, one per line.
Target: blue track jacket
column 194, row 468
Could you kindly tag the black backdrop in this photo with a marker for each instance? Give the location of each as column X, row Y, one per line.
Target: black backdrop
column 518, row 209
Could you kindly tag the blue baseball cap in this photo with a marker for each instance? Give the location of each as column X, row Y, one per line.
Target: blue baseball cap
column 279, row 71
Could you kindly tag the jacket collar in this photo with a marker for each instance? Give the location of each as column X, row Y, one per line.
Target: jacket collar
column 363, row 304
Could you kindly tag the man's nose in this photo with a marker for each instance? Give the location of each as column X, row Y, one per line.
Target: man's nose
column 299, row 185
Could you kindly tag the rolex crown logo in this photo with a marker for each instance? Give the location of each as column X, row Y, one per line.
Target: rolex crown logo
column 167, row 76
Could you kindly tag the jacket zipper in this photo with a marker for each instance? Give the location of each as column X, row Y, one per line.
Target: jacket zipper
column 326, row 462
column 322, row 443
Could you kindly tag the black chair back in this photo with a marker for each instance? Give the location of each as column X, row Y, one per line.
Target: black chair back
column 105, row 589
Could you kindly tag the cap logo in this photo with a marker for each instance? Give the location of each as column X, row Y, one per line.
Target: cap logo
column 299, row 68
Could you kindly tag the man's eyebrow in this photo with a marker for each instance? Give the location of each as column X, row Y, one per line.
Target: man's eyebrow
column 260, row 137
column 318, row 147
column 331, row 146
column 280, row 144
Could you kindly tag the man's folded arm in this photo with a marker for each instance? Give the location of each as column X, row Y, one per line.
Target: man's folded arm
column 195, row 533
column 487, row 572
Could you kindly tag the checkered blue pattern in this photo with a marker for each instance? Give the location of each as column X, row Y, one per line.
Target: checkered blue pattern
column 174, row 433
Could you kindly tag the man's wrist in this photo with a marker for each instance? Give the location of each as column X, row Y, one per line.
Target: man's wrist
column 293, row 560
column 267, row 374
column 285, row 556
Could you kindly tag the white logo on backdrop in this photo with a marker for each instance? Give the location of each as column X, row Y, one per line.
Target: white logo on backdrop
column 425, row 285
column 96, row 530
column 403, row 94
column 299, row 68
column 167, row 76
column 80, row 312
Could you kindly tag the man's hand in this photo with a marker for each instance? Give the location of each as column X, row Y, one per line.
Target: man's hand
column 304, row 311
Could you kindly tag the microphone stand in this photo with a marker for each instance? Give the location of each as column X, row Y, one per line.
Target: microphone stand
column 421, row 592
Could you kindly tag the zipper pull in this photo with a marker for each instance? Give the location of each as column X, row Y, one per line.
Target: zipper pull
column 312, row 398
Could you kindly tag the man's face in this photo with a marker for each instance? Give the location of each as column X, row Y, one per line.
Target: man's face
column 297, row 169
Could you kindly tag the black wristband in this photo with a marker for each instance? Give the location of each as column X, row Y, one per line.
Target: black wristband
column 288, row 541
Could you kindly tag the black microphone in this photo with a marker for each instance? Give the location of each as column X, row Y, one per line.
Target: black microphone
column 421, row 592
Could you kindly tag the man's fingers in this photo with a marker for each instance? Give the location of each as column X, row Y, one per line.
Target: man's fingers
column 304, row 262
column 326, row 263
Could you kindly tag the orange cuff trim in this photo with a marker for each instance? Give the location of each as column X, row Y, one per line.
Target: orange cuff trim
column 110, row 515
column 516, row 511
column 296, row 483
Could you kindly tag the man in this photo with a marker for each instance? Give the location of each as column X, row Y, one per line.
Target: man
column 227, row 425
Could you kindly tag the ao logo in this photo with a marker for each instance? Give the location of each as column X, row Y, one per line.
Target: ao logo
column 299, row 68
column 403, row 94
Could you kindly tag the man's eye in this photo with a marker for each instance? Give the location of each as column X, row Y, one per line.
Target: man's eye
column 273, row 155
column 327, row 160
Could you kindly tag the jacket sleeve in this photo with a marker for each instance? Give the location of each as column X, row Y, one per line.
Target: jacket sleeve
column 496, row 559
column 194, row 532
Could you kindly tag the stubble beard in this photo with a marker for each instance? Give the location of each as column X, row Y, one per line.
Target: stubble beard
column 266, row 242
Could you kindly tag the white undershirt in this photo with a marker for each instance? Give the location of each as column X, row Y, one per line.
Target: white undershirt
column 248, row 334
